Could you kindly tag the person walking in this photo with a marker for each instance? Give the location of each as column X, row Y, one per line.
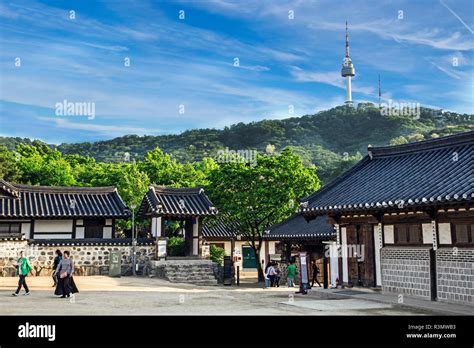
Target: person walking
column 23, row 268
column 267, row 277
column 277, row 275
column 291, row 274
column 66, row 286
column 272, row 274
column 315, row 271
column 57, row 259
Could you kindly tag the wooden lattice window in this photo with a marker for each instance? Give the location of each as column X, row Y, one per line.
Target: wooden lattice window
column 462, row 233
column 408, row 234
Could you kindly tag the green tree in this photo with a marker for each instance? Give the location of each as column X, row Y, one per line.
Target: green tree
column 9, row 170
column 40, row 165
column 398, row 140
column 260, row 195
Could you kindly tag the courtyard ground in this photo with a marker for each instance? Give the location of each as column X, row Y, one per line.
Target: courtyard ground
column 101, row 295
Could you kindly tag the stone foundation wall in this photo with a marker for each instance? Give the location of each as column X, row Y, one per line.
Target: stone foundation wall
column 406, row 270
column 88, row 259
column 455, row 274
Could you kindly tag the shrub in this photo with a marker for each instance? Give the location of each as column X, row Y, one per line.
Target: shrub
column 217, row 254
column 175, row 246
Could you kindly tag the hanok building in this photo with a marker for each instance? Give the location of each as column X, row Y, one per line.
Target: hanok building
column 225, row 235
column 190, row 205
column 40, row 219
column 48, row 212
column 408, row 210
column 296, row 234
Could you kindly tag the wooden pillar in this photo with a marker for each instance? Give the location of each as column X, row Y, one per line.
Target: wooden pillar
column 188, row 237
column 288, row 251
column 378, row 243
column 336, row 253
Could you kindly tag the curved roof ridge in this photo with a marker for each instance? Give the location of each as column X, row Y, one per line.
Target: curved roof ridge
column 171, row 190
column 42, row 188
column 425, row 145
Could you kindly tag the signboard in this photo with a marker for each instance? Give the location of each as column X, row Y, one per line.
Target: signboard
column 304, row 269
column 115, row 267
column 162, row 247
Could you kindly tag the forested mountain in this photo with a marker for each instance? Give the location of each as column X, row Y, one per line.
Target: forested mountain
column 332, row 139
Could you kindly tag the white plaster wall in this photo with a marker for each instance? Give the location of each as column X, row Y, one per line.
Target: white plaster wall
column 108, row 221
column 53, row 226
column 107, row 232
column 195, row 246
column 345, row 267
column 196, row 228
column 54, row 236
column 444, row 231
column 427, row 233
column 156, row 227
column 25, row 229
column 388, row 233
column 79, row 232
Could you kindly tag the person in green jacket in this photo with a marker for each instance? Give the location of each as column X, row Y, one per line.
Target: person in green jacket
column 291, row 269
column 23, row 268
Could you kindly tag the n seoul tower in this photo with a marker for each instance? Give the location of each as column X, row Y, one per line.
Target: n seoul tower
column 348, row 70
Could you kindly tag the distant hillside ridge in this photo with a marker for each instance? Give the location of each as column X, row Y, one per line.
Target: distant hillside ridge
column 333, row 139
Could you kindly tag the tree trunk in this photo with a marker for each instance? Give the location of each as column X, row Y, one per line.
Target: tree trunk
column 261, row 277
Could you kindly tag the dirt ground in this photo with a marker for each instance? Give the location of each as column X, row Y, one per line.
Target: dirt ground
column 100, row 295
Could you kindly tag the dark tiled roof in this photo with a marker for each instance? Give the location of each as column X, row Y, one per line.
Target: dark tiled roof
column 296, row 227
column 433, row 172
column 177, row 202
column 218, row 228
column 30, row 201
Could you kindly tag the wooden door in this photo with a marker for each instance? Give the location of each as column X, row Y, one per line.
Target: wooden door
column 361, row 267
column 94, row 228
column 248, row 256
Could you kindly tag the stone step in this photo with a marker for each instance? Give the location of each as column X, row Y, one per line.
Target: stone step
column 197, row 282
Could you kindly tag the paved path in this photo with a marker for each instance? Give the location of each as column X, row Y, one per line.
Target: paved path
column 394, row 299
column 150, row 296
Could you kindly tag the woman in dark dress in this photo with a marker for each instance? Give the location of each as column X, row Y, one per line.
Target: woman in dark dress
column 66, row 286
column 57, row 259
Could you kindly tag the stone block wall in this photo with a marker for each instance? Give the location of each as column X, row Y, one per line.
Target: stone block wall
column 9, row 250
column 406, row 270
column 455, row 274
column 88, row 259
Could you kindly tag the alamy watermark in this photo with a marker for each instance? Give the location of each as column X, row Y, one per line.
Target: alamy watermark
column 393, row 108
column 67, row 108
column 346, row 250
column 237, row 156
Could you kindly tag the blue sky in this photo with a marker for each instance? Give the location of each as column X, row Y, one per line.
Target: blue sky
column 424, row 54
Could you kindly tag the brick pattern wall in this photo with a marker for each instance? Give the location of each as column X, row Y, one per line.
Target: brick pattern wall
column 88, row 259
column 406, row 270
column 455, row 274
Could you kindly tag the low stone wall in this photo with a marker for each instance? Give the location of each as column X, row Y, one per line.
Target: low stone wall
column 92, row 259
column 9, row 250
column 455, row 276
column 406, row 270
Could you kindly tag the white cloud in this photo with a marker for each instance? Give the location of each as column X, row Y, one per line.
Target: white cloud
column 332, row 78
column 98, row 128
